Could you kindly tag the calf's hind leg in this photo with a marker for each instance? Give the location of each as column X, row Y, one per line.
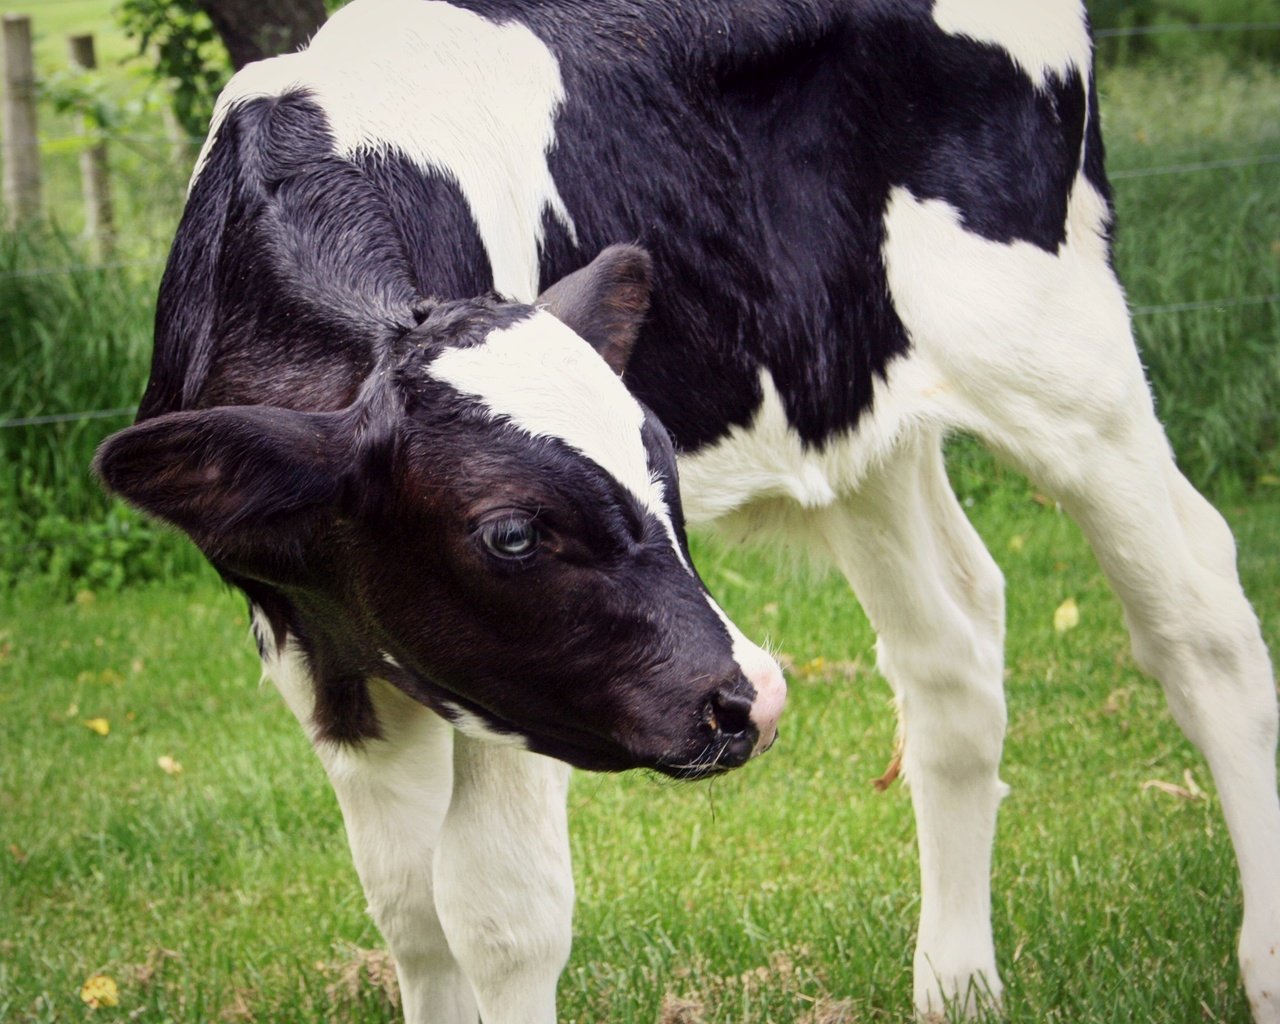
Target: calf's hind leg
column 936, row 601
column 1171, row 559
column 1036, row 350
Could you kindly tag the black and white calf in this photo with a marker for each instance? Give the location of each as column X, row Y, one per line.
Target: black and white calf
column 870, row 223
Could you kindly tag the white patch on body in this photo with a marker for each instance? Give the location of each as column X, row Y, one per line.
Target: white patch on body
column 1043, row 37
column 454, row 93
column 1013, row 328
column 478, row 729
column 988, row 315
column 767, row 459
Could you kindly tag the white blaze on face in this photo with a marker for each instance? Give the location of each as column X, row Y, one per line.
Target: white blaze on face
column 547, row 381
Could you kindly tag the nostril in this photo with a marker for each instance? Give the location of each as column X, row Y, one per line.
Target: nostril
column 730, row 712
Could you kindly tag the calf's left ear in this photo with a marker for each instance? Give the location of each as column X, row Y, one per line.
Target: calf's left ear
column 606, row 301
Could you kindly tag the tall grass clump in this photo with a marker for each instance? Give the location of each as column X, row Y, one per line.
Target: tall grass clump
column 74, row 339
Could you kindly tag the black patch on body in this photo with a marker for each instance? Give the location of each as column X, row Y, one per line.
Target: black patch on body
column 751, row 147
column 293, row 274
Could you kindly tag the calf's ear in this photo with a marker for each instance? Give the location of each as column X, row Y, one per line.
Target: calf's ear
column 245, row 482
column 606, row 301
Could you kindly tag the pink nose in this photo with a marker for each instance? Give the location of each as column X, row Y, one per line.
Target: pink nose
column 763, row 673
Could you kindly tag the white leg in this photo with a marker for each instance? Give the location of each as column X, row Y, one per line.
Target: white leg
column 504, row 887
column 936, row 600
column 394, row 793
column 1034, row 352
column 1171, row 559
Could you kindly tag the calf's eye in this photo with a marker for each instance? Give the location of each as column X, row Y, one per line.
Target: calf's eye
column 509, row 538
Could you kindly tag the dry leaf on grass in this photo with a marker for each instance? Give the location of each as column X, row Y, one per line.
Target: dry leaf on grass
column 99, row 725
column 144, row 974
column 1117, row 701
column 1190, row 791
column 892, row 770
column 363, row 969
column 239, row 1010
column 830, row 1011
column 168, row 765
column 677, row 1010
column 100, row 990
column 1066, row 616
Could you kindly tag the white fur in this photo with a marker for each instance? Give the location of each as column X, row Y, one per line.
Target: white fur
column 1042, row 36
column 453, row 92
column 478, row 729
column 767, row 458
column 462, row 850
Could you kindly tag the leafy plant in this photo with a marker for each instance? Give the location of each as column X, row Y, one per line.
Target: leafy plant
column 189, row 58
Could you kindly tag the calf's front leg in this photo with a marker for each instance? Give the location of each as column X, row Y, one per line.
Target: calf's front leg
column 503, row 881
column 394, row 792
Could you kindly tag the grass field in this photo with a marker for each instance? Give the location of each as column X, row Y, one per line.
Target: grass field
column 225, row 892
column 782, row 893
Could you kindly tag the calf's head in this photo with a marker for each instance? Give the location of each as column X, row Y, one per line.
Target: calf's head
column 493, row 525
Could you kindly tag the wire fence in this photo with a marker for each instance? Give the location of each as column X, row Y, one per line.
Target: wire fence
column 1160, row 30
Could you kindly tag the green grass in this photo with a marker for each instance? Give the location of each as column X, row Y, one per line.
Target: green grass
column 753, row 896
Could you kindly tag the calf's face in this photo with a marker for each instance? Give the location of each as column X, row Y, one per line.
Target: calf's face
column 494, row 526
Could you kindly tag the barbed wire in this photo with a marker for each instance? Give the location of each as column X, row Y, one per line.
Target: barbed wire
column 1136, row 311
column 1156, row 30
column 93, row 138
column 78, row 268
column 1193, row 168
column 1216, row 304
column 66, row 417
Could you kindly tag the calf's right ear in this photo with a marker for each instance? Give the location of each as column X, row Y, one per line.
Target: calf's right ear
column 240, row 480
column 606, row 301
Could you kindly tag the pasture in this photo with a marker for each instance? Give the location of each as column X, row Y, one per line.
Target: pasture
column 164, row 824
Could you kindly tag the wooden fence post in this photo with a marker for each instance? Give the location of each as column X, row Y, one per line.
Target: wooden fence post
column 21, row 152
column 95, row 182
column 182, row 151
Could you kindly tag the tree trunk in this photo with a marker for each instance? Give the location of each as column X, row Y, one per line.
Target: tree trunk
column 254, row 29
